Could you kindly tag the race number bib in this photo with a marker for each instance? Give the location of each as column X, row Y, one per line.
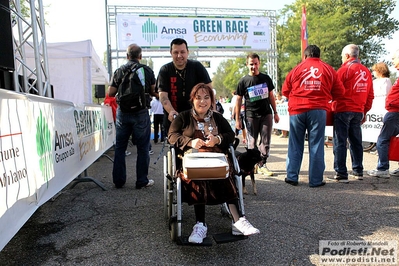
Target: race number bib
column 258, row 92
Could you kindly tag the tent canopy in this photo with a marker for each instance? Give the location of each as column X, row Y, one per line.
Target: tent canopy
column 74, row 67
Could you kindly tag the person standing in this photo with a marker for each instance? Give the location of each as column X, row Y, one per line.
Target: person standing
column 157, row 114
column 260, row 108
column 176, row 79
column 389, row 129
column 350, row 113
column 309, row 87
column 280, row 100
column 135, row 123
column 382, row 83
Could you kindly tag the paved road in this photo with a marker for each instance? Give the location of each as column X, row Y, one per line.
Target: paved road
column 87, row 226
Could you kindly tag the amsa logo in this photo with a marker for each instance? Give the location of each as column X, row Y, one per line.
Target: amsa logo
column 374, row 117
column 166, row 30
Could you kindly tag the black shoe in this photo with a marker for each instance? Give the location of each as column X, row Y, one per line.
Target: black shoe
column 358, row 176
column 319, row 185
column 293, row 183
column 118, row 186
column 339, row 179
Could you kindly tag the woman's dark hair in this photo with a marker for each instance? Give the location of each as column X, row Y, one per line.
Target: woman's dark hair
column 206, row 88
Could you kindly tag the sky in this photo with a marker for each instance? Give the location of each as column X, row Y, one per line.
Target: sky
column 77, row 20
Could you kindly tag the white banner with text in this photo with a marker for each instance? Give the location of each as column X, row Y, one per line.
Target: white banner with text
column 370, row 129
column 252, row 33
column 44, row 145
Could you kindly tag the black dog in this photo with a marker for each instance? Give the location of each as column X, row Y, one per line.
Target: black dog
column 246, row 161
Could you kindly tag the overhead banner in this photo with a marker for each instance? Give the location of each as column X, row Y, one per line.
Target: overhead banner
column 152, row 32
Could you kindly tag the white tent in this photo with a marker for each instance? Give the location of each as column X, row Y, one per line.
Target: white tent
column 74, row 67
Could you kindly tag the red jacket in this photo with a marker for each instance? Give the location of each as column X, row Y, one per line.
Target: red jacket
column 311, row 85
column 358, row 83
column 392, row 99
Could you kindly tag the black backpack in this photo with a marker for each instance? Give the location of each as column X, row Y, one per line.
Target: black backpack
column 132, row 95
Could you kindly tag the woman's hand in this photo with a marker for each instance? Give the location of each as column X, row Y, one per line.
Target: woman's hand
column 211, row 140
column 197, row 143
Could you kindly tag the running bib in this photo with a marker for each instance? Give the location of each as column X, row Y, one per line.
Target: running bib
column 258, row 92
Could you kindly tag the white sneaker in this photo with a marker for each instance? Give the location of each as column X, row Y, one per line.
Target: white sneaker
column 379, row 173
column 198, row 234
column 243, row 227
column 394, row 172
column 150, row 183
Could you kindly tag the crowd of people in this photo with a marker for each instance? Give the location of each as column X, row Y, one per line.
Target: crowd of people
column 187, row 113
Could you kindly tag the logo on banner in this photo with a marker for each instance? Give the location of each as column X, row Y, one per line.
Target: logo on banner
column 150, row 31
column 44, row 147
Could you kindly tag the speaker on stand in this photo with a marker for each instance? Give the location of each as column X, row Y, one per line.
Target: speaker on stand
column 99, row 92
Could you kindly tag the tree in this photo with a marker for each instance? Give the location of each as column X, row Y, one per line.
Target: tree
column 331, row 25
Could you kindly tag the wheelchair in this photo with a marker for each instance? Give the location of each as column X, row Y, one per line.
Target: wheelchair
column 173, row 205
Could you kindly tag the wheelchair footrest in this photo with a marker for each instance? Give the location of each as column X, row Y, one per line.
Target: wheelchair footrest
column 227, row 237
column 183, row 240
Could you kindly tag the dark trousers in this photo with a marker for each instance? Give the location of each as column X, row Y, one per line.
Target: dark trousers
column 158, row 126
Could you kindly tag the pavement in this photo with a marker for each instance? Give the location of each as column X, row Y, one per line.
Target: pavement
column 85, row 225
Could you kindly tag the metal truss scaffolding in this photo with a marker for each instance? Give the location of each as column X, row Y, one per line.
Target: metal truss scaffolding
column 28, row 34
column 116, row 56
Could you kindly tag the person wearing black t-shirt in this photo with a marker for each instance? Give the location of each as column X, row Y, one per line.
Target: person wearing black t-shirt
column 260, row 109
column 177, row 78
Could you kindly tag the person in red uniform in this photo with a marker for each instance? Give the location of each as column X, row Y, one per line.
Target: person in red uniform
column 309, row 88
column 350, row 114
column 389, row 129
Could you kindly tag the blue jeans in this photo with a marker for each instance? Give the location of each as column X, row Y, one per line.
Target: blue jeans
column 137, row 125
column 347, row 127
column 388, row 130
column 314, row 123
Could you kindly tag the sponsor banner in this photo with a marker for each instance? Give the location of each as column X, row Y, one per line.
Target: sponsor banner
column 44, row 145
column 370, row 129
column 152, row 32
column 359, row 252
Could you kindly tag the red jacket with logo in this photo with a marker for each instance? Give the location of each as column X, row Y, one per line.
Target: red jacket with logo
column 358, row 83
column 311, row 85
column 392, row 99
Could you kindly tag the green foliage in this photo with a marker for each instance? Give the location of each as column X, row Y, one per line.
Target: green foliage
column 331, row 25
column 25, row 8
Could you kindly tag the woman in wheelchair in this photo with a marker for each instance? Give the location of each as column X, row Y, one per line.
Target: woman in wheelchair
column 201, row 129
